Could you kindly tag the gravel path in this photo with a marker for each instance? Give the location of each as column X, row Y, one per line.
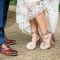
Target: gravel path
column 13, row 32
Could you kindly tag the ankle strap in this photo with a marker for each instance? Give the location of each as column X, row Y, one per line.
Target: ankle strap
column 44, row 34
column 35, row 33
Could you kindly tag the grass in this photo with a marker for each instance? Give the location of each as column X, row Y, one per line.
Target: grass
column 12, row 2
column 59, row 7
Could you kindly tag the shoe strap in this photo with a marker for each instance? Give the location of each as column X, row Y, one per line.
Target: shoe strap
column 43, row 35
column 35, row 33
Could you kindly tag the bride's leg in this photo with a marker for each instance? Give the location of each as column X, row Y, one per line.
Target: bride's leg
column 41, row 20
column 35, row 36
column 34, row 29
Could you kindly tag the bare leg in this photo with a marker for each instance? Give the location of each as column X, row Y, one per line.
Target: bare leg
column 34, row 29
column 35, row 36
column 41, row 20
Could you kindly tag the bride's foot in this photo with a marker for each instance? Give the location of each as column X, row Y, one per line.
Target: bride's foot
column 46, row 40
column 35, row 37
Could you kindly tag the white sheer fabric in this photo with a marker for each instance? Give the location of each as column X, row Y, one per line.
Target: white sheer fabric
column 29, row 9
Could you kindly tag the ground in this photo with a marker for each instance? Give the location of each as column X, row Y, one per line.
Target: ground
column 13, row 32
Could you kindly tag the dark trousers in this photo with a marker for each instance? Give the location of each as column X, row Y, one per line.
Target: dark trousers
column 4, row 4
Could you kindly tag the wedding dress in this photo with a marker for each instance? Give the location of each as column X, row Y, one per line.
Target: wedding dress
column 29, row 9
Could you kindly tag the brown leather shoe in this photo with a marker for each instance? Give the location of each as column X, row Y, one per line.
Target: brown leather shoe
column 6, row 50
column 9, row 41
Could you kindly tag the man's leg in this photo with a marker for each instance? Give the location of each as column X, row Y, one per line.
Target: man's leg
column 6, row 6
column 1, row 21
column 3, row 47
